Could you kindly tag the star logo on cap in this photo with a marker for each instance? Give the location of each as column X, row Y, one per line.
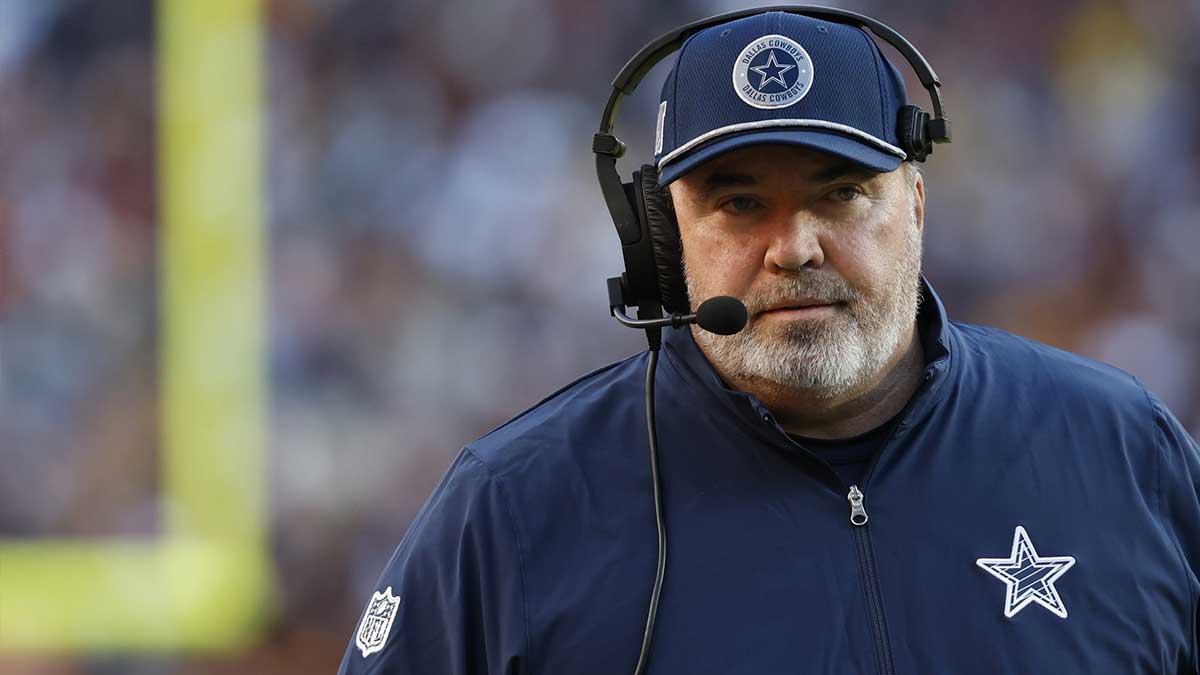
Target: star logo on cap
column 1029, row 577
column 772, row 72
column 775, row 68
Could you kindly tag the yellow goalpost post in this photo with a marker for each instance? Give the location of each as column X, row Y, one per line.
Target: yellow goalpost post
column 205, row 584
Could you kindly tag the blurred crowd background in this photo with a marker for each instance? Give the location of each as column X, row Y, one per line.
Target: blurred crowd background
column 438, row 246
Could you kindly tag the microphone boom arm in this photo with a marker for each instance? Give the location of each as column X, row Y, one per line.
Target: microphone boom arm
column 674, row 321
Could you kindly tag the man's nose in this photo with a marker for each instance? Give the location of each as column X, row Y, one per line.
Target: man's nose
column 796, row 246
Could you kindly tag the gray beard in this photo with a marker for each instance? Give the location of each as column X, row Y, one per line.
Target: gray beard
column 826, row 357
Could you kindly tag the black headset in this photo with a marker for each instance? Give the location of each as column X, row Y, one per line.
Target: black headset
column 653, row 280
column 645, row 221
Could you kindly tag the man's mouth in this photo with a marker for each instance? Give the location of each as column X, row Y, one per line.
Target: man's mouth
column 804, row 309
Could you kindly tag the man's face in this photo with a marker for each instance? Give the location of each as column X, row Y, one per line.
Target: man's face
column 780, row 226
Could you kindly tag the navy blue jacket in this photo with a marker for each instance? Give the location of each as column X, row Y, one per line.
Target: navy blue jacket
column 1034, row 512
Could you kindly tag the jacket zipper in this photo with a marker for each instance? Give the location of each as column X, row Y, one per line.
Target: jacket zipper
column 866, row 555
column 866, row 567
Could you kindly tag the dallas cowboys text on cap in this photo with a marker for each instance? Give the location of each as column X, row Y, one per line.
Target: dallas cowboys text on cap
column 781, row 78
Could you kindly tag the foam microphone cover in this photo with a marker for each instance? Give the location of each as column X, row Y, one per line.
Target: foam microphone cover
column 723, row 315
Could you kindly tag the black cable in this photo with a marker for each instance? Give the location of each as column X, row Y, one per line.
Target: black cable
column 658, row 515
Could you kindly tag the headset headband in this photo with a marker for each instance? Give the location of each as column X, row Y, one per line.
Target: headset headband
column 666, row 44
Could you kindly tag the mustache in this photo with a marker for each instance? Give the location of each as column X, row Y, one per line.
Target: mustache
column 821, row 288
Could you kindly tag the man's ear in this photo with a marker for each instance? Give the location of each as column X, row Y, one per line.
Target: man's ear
column 668, row 199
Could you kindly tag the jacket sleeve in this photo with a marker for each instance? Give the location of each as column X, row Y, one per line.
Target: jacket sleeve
column 1179, row 490
column 452, row 598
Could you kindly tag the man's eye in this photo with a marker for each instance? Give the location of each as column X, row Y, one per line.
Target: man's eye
column 740, row 204
column 845, row 194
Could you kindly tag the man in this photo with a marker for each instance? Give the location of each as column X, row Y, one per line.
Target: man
column 853, row 483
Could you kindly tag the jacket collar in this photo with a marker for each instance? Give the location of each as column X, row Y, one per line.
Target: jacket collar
column 691, row 365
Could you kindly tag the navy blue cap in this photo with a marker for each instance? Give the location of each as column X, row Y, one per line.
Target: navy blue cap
column 779, row 78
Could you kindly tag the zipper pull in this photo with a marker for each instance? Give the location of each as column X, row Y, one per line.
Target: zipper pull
column 858, row 515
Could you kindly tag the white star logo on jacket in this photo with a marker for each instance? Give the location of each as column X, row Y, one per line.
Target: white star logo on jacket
column 1029, row 577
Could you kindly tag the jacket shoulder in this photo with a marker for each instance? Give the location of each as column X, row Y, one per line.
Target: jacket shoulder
column 1043, row 370
column 594, row 405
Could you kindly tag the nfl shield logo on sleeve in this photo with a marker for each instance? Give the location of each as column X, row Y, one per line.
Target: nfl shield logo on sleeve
column 377, row 622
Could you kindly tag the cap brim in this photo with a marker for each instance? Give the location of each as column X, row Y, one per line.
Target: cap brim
column 834, row 144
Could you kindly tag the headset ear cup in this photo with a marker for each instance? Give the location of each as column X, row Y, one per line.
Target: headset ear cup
column 911, row 130
column 664, row 239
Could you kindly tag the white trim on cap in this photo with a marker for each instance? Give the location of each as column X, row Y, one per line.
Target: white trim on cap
column 766, row 124
column 658, row 128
